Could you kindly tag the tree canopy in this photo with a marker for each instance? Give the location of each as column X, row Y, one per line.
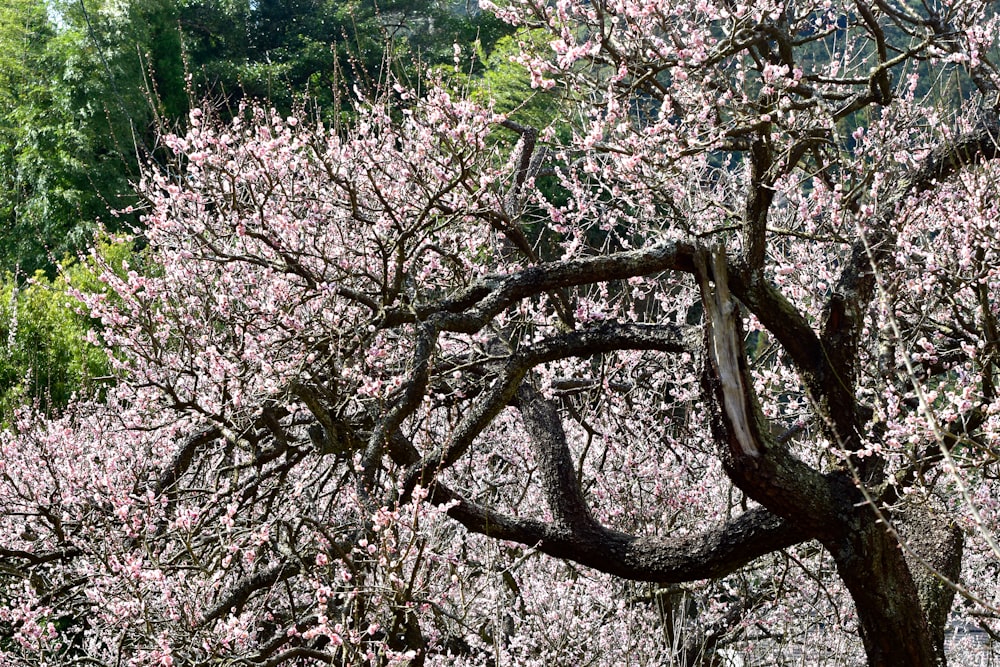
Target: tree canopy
column 705, row 366
column 87, row 86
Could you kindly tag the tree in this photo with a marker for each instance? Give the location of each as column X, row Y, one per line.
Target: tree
column 71, row 114
column 284, row 50
column 760, row 316
column 45, row 359
column 38, row 170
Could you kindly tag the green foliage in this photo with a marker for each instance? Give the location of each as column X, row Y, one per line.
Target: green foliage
column 36, row 141
column 44, row 355
column 508, row 85
column 61, row 158
column 282, row 50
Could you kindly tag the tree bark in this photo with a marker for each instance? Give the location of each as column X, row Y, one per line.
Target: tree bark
column 829, row 507
column 933, row 550
column 894, row 628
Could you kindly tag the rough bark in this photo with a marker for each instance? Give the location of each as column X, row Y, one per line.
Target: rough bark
column 576, row 535
column 828, row 507
column 715, row 552
column 934, row 555
column 894, row 629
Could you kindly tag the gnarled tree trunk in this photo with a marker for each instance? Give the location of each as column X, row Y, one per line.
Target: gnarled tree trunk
column 829, row 507
column 894, row 628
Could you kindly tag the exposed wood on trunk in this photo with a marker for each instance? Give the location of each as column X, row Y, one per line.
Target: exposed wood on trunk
column 829, row 507
column 725, row 350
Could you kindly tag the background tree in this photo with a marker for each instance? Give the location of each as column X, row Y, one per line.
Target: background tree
column 54, row 170
column 283, row 50
column 751, row 341
column 46, row 359
column 86, row 86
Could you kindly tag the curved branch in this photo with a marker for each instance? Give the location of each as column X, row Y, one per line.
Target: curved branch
column 182, row 460
column 979, row 145
column 473, row 308
column 237, row 596
column 555, row 464
column 715, row 552
column 605, row 337
column 575, row 534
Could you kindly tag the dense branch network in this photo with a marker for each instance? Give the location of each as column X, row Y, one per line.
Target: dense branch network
column 746, row 302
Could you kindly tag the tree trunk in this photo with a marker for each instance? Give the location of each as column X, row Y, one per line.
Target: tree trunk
column 932, row 540
column 894, row 628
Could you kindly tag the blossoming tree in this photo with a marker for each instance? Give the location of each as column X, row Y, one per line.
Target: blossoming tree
column 371, row 379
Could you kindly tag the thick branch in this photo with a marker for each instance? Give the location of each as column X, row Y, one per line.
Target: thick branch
column 237, row 596
column 473, row 308
column 713, row 553
column 576, row 535
column 759, row 200
column 555, row 463
column 183, row 458
column 38, row 558
column 780, row 317
column 413, row 394
column 763, row 468
column 527, row 165
column 834, row 386
column 980, row 145
column 725, row 352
